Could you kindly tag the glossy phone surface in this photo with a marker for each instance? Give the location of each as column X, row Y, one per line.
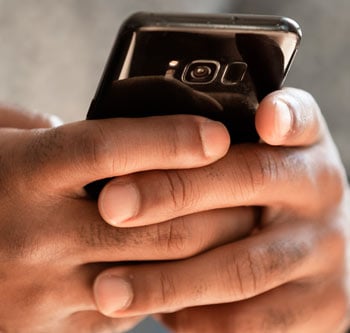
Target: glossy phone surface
column 236, row 59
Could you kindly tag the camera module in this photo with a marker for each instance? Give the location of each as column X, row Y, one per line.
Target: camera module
column 201, row 72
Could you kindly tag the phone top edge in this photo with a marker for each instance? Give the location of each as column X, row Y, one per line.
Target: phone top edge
column 147, row 20
column 171, row 21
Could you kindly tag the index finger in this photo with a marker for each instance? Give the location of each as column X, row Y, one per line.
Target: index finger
column 76, row 154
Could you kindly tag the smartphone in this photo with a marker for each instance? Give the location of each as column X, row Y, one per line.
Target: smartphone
column 234, row 59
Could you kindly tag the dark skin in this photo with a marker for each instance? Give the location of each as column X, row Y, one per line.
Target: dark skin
column 57, row 253
column 53, row 240
column 289, row 275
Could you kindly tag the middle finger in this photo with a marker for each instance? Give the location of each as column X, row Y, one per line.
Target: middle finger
column 96, row 241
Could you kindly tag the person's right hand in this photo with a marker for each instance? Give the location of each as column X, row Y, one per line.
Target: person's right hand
column 289, row 275
column 52, row 238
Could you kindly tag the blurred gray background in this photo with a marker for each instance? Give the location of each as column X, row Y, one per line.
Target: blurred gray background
column 53, row 52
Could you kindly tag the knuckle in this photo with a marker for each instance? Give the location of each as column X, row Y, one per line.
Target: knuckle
column 101, row 148
column 167, row 295
column 87, row 146
column 38, row 154
column 175, row 238
column 92, row 146
column 96, row 234
column 43, row 146
column 32, row 160
column 244, row 273
column 280, row 257
column 250, row 271
column 181, row 190
column 255, row 171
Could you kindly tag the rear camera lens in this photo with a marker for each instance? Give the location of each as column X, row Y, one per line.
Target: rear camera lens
column 201, row 72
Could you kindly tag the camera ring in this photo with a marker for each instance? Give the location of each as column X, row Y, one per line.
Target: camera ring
column 201, row 61
column 200, row 72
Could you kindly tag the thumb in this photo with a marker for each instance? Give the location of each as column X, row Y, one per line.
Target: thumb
column 290, row 117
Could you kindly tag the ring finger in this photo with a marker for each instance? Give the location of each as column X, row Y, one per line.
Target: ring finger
column 307, row 306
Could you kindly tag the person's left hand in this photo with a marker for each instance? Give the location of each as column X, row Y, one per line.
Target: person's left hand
column 289, row 275
column 53, row 242
column 18, row 118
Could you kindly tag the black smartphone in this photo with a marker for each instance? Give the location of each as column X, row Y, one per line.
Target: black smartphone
column 234, row 59
column 230, row 57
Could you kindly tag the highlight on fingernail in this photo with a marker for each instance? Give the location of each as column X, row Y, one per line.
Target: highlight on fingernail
column 282, row 120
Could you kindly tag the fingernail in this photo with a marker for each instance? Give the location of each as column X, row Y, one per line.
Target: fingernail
column 215, row 138
column 113, row 294
column 119, row 202
column 283, row 119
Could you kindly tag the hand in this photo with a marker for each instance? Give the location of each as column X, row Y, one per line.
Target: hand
column 15, row 117
column 287, row 276
column 53, row 242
